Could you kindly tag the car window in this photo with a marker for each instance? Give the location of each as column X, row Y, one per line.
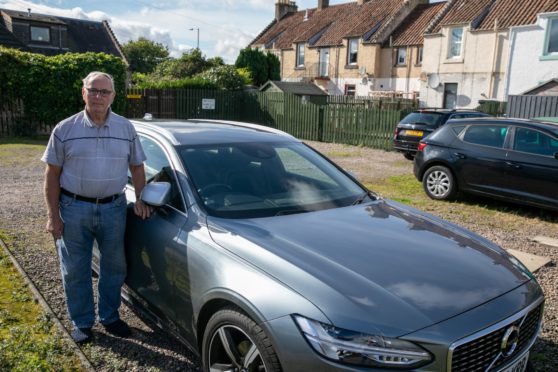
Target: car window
column 458, row 116
column 457, row 129
column 249, row 180
column 486, row 135
column 433, row 119
column 158, row 169
column 534, row 142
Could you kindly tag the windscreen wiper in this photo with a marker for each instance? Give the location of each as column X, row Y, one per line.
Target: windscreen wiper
column 361, row 198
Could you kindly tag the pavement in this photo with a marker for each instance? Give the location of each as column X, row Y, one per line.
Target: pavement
column 531, row 261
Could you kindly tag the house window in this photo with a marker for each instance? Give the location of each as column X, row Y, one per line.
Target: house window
column 552, row 37
column 352, row 52
column 419, row 55
column 350, row 90
column 300, row 55
column 40, row 34
column 401, row 58
column 456, row 41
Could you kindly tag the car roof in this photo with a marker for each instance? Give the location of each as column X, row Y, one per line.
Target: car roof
column 201, row 131
column 449, row 111
column 507, row 121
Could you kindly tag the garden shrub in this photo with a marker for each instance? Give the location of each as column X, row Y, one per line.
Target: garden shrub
column 50, row 86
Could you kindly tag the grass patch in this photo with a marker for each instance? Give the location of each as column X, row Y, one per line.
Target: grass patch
column 342, row 154
column 17, row 153
column 468, row 209
column 29, row 341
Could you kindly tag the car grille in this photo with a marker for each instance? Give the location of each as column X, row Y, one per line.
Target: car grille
column 484, row 351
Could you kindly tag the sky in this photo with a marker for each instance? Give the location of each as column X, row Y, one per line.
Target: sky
column 225, row 26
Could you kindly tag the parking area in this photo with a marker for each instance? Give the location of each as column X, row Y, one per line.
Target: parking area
column 22, row 214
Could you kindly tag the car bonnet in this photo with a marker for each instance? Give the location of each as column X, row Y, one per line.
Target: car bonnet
column 375, row 266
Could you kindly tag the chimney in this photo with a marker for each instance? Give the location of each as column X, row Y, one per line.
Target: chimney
column 360, row 2
column 28, row 12
column 283, row 7
column 322, row 4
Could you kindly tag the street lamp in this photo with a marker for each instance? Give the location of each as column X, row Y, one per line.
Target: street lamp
column 198, row 33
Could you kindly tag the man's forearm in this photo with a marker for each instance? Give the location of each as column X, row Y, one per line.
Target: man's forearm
column 138, row 178
column 52, row 190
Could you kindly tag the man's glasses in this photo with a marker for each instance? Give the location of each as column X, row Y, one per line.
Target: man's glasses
column 94, row 92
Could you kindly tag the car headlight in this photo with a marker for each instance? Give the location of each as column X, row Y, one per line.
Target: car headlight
column 361, row 349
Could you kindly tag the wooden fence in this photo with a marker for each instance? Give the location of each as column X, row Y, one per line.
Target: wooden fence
column 15, row 122
column 532, row 106
column 343, row 120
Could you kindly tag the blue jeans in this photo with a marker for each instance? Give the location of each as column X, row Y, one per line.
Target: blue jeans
column 83, row 223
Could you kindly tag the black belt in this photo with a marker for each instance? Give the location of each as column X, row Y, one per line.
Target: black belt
column 108, row 199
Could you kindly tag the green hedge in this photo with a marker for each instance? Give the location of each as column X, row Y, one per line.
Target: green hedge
column 50, row 87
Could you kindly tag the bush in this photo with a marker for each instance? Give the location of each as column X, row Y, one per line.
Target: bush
column 50, row 87
column 224, row 77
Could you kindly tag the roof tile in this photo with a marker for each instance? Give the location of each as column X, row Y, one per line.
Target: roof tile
column 339, row 22
column 411, row 30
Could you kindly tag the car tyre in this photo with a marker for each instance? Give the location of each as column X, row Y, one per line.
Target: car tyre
column 439, row 183
column 409, row 156
column 234, row 342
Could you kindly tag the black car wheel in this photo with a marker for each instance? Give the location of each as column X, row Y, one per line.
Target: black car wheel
column 234, row 342
column 439, row 183
column 408, row 156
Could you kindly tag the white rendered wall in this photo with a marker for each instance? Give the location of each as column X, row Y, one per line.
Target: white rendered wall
column 526, row 69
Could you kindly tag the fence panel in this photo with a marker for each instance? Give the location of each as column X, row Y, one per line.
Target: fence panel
column 532, row 106
column 347, row 120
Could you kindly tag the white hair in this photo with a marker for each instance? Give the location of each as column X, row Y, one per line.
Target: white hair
column 95, row 74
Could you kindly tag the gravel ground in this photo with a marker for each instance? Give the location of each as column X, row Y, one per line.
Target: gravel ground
column 22, row 216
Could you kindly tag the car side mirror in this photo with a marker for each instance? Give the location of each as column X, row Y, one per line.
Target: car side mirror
column 556, row 155
column 156, row 194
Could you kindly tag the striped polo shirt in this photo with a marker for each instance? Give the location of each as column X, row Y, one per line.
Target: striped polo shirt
column 94, row 159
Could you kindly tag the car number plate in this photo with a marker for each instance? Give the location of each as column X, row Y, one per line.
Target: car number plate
column 519, row 365
column 414, row 133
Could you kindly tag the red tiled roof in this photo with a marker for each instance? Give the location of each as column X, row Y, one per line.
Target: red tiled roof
column 516, row 13
column 411, row 30
column 337, row 22
column 507, row 12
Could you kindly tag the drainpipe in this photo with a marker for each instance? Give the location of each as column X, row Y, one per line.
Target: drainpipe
column 494, row 54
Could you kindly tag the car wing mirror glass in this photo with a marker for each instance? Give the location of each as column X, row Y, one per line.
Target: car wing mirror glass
column 556, row 155
column 156, row 193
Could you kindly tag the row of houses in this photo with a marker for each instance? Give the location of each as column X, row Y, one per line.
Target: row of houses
column 446, row 54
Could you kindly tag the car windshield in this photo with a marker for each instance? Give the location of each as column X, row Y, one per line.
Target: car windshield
column 247, row 180
column 431, row 119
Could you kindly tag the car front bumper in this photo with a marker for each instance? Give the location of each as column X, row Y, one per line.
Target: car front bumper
column 441, row 339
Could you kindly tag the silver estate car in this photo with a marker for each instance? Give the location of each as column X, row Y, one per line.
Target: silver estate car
column 263, row 255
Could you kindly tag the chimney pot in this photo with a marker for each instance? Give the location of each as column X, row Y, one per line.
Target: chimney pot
column 28, row 12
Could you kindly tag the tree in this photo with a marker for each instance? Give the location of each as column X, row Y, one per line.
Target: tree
column 144, row 54
column 188, row 65
column 256, row 62
column 273, row 66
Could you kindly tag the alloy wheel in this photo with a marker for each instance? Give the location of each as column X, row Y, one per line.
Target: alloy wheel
column 232, row 350
column 438, row 183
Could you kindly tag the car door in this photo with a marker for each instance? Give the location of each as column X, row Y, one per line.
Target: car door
column 480, row 158
column 156, row 248
column 532, row 168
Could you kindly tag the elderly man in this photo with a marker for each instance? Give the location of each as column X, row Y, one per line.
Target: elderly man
column 87, row 161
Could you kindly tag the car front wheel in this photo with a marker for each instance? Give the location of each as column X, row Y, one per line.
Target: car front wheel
column 234, row 342
column 439, row 183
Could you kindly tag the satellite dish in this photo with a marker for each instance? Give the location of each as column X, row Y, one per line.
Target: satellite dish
column 364, row 80
column 423, row 76
column 433, row 81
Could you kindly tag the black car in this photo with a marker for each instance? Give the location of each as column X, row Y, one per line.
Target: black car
column 420, row 123
column 511, row 159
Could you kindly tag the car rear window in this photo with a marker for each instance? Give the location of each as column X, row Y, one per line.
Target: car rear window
column 431, row 119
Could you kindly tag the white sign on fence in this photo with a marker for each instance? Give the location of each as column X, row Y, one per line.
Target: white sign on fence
column 208, row 104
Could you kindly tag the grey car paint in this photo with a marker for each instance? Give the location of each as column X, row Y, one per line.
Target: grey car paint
column 423, row 279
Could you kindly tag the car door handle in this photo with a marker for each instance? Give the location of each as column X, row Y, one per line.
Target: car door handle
column 513, row 165
column 460, row 155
